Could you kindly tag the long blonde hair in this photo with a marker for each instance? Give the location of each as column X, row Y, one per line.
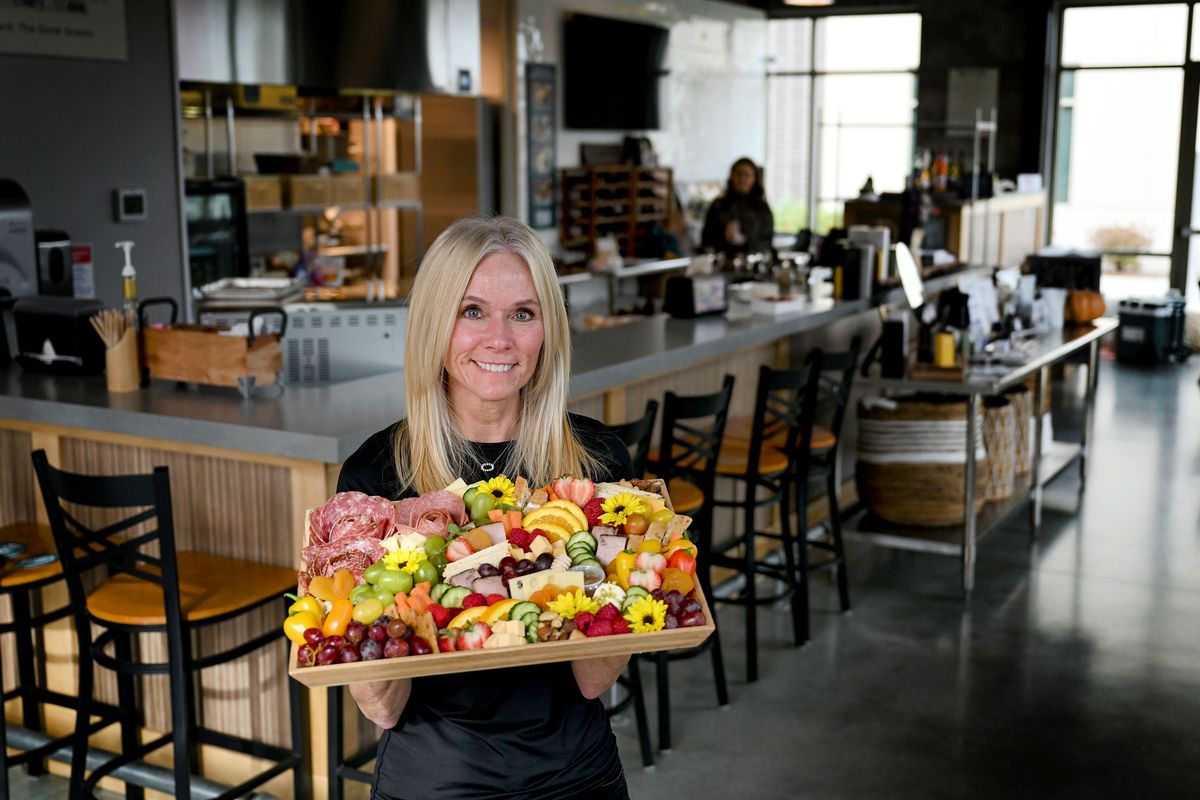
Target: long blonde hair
column 428, row 443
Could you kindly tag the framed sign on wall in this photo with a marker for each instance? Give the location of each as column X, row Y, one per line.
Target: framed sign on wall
column 78, row 29
column 540, row 144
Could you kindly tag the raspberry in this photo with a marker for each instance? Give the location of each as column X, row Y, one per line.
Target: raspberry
column 441, row 616
column 600, row 628
column 584, row 620
column 492, row 599
column 474, row 599
column 518, row 537
column 592, row 510
column 608, row 613
column 620, row 625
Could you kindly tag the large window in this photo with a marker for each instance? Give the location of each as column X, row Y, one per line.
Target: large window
column 841, row 106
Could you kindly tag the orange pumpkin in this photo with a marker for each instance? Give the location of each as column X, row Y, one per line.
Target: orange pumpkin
column 1084, row 305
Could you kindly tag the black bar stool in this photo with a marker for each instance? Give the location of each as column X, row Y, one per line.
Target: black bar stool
column 692, row 430
column 636, row 435
column 174, row 593
column 23, row 587
column 765, row 465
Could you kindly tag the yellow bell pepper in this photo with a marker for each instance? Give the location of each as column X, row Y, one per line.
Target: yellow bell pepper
column 622, row 565
column 650, row 546
column 306, row 603
column 685, row 545
column 296, row 624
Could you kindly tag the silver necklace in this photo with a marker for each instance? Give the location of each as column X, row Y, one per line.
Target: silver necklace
column 488, row 467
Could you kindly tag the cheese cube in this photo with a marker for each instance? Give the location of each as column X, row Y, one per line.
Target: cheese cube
column 541, row 544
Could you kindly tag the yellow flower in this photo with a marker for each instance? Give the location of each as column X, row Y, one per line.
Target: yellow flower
column 500, row 488
column 646, row 615
column 568, row 604
column 618, row 508
column 406, row 560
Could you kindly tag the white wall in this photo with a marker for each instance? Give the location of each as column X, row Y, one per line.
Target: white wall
column 713, row 101
column 78, row 129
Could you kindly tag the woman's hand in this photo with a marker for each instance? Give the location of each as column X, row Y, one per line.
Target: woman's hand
column 382, row 702
column 595, row 675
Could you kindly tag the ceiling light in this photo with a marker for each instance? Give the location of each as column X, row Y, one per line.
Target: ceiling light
column 808, row 2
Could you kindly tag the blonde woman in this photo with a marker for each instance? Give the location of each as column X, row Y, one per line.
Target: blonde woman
column 486, row 364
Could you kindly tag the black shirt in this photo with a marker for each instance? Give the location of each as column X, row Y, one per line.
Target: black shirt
column 525, row 732
column 756, row 221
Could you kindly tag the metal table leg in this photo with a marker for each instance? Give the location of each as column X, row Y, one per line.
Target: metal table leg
column 1088, row 401
column 1035, row 478
column 969, row 521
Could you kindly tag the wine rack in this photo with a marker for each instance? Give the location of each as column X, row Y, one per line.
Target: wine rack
column 623, row 201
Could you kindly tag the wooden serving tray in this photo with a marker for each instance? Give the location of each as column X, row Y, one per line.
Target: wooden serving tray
column 517, row 656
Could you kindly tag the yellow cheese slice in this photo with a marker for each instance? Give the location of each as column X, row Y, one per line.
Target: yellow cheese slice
column 521, row 588
column 488, row 555
column 459, row 487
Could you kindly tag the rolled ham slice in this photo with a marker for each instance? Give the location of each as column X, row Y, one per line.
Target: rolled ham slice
column 489, row 586
column 609, row 547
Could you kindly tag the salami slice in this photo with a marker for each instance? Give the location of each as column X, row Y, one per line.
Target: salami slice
column 431, row 513
column 352, row 515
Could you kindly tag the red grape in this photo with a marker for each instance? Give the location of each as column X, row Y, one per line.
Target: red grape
column 306, row 656
column 335, row 641
column 507, row 563
column 691, row 619
column 672, row 622
column 489, row 571
column 377, row 633
column 396, row 629
column 370, row 650
column 691, row 606
column 355, row 632
column 313, row 635
column 327, row 655
column 349, row 654
column 395, row 648
column 418, row 646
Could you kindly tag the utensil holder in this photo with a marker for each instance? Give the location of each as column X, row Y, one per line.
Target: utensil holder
column 121, row 364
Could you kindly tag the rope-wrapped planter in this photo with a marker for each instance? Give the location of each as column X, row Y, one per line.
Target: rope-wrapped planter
column 912, row 459
column 1000, row 436
column 1021, row 398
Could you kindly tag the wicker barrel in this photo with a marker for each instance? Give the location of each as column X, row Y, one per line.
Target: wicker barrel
column 912, row 460
column 1000, row 438
column 1021, row 399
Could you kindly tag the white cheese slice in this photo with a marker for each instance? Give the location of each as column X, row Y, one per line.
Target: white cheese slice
column 521, row 588
column 488, row 555
column 458, row 487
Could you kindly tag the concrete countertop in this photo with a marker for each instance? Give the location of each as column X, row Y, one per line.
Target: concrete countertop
column 328, row 422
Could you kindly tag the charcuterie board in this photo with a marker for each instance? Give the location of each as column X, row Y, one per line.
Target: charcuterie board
column 505, row 650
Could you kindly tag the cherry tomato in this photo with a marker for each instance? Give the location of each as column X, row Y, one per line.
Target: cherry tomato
column 682, row 561
column 636, row 525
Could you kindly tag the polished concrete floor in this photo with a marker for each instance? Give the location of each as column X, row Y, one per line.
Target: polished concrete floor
column 1074, row 672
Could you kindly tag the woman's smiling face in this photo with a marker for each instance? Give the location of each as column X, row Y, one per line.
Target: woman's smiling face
column 497, row 336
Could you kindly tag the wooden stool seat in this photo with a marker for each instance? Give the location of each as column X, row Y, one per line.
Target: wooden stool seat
column 38, row 540
column 686, row 497
column 209, row 586
column 734, row 459
column 739, row 428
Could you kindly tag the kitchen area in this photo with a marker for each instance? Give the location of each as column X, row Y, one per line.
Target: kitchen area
column 211, row 217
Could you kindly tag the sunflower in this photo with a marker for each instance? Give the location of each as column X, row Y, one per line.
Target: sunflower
column 501, row 489
column 404, row 560
column 618, row 508
column 646, row 615
column 568, row 604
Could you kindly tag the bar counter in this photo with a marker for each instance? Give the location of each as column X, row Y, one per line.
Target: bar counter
column 243, row 471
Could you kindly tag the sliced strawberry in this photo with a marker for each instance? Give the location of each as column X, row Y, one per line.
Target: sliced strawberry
column 600, row 628
column 473, row 636
column 441, row 616
column 474, row 599
column 583, row 620
column 592, row 510
column 492, row 599
column 446, row 641
column 607, row 613
column 459, row 548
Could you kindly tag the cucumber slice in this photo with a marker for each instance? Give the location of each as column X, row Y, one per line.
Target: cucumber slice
column 582, row 536
column 521, row 609
column 453, row 597
column 531, row 626
column 629, row 600
column 580, row 550
column 635, row 592
column 439, row 589
column 590, row 562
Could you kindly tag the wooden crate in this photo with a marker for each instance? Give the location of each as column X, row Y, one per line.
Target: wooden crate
column 397, row 187
column 202, row 354
column 517, row 656
column 263, row 192
column 349, row 190
column 310, row 191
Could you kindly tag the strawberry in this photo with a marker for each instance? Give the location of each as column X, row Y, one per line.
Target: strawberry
column 607, row 613
column 600, row 628
column 592, row 510
column 492, row 599
column 473, row 636
column 583, row 620
column 647, row 579
column 655, row 562
column 441, row 616
column 578, row 490
column 621, row 625
column 446, row 641
column 474, row 599
column 519, row 537
column 459, row 548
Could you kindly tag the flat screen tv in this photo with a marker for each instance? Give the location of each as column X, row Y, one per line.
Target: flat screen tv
column 611, row 72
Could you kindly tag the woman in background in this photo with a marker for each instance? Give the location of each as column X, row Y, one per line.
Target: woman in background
column 740, row 220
